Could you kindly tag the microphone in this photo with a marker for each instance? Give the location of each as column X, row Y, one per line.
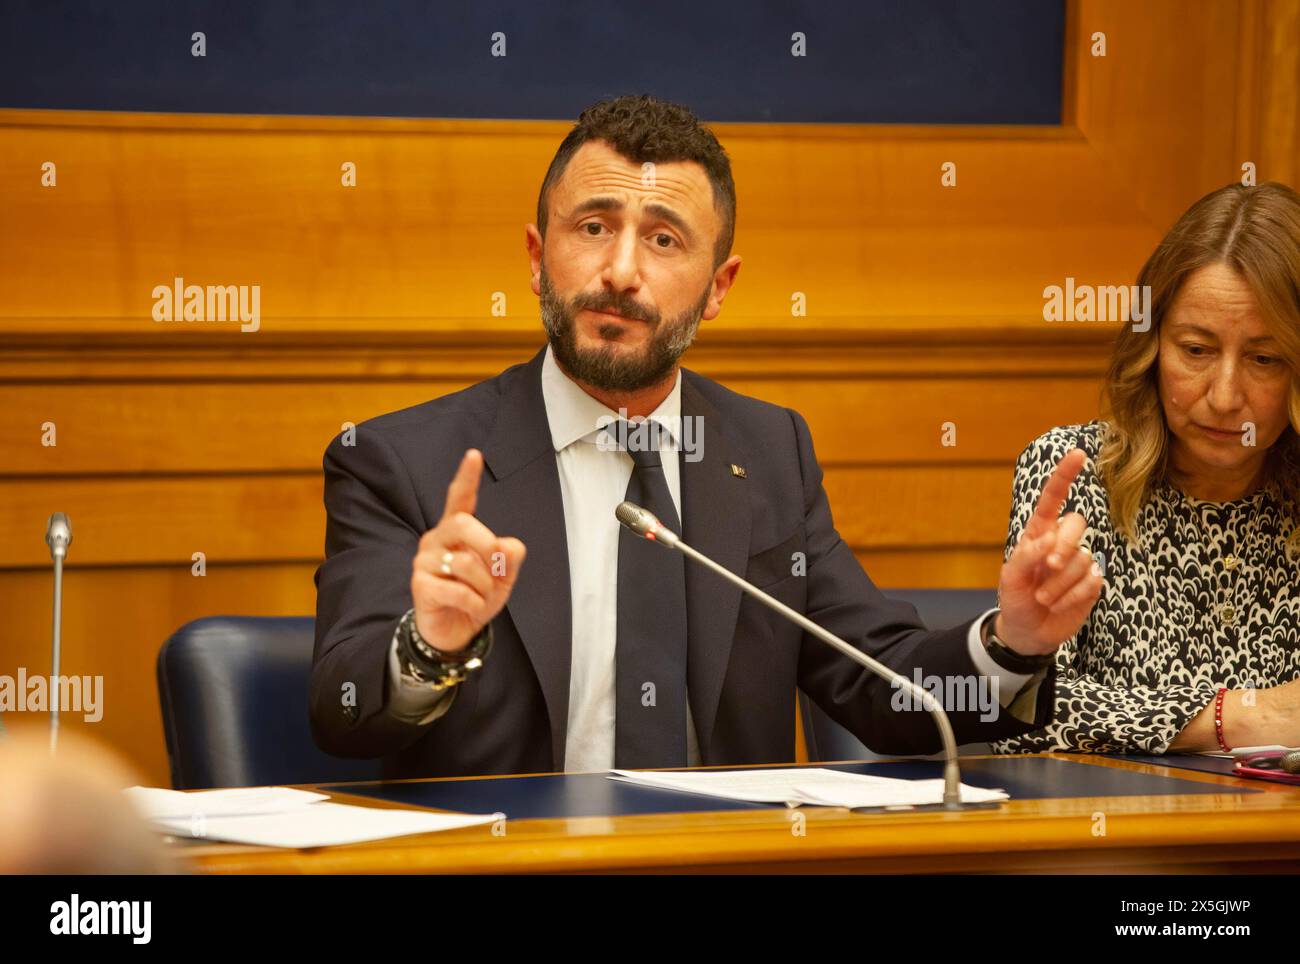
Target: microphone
column 1290, row 762
column 58, row 536
column 644, row 524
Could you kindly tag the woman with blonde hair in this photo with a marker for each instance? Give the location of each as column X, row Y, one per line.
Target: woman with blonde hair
column 1192, row 495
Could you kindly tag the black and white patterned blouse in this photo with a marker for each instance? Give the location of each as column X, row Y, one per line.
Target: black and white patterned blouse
column 1207, row 598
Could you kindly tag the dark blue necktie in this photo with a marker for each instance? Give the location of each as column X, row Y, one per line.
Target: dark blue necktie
column 650, row 660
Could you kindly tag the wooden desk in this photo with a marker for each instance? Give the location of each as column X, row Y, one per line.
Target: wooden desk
column 1229, row 831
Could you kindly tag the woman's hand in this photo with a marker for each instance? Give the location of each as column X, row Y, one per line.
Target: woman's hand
column 1050, row 583
column 1251, row 717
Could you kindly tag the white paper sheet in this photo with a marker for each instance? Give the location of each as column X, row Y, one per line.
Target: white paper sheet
column 813, row 786
column 322, row 825
column 155, row 803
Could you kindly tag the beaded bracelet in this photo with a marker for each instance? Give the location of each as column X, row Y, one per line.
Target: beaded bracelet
column 1218, row 719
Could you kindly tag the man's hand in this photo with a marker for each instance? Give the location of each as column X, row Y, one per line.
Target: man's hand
column 1050, row 583
column 462, row 574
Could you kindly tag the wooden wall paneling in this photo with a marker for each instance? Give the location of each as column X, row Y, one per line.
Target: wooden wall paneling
column 923, row 306
column 115, row 621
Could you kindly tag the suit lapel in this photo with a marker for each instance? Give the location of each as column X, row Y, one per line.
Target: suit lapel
column 524, row 500
column 716, row 521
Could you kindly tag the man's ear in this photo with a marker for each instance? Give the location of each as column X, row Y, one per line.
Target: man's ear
column 723, row 279
column 533, row 242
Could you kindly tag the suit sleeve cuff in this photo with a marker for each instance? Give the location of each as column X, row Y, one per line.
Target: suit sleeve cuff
column 1009, row 684
column 410, row 700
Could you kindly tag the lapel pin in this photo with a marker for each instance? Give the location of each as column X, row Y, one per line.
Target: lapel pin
column 737, row 470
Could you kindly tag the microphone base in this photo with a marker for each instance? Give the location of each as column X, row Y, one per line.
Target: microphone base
column 923, row 807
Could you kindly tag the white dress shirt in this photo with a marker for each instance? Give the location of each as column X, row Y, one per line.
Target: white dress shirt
column 593, row 480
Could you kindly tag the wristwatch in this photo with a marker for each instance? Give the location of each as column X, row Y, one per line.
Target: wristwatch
column 418, row 659
column 1008, row 658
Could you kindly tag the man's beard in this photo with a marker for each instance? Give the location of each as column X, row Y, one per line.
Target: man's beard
column 605, row 367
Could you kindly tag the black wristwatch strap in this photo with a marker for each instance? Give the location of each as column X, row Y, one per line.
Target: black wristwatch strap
column 1008, row 658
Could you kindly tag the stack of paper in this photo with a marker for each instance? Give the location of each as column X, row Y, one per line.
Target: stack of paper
column 284, row 817
column 814, row 786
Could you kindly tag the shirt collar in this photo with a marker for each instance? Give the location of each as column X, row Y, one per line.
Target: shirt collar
column 573, row 415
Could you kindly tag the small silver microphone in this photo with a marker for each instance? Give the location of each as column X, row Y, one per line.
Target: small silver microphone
column 1290, row 762
column 644, row 523
column 58, row 535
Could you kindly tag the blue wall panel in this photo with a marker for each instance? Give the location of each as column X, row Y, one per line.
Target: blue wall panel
column 871, row 61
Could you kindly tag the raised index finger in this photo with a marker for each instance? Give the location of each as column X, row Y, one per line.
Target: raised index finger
column 462, row 494
column 1055, row 493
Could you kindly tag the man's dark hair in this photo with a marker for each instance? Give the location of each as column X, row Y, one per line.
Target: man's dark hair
column 644, row 128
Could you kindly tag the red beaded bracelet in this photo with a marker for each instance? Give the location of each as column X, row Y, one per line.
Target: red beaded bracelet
column 1218, row 719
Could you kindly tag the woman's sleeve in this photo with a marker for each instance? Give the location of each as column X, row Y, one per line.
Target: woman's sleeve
column 1090, row 715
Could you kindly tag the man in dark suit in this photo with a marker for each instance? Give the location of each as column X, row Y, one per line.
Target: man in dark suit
column 440, row 650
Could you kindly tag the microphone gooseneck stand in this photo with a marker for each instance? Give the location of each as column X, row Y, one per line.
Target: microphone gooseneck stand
column 644, row 524
column 58, row 536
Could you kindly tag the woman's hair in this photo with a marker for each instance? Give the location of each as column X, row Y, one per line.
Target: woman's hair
column 1256, row 232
